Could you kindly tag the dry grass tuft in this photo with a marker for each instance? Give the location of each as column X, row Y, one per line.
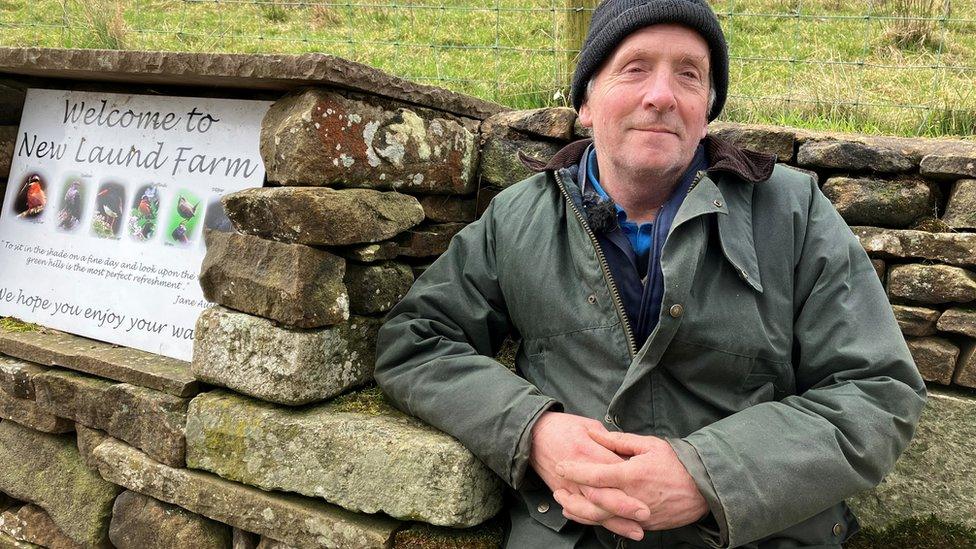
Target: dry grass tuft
column 917, row 23
column 106, row 21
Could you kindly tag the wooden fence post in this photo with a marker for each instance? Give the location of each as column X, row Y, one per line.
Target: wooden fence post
column 575, row 22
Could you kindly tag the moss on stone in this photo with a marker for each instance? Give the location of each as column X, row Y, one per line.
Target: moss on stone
column 370, row 401
column 424, row 536
column 11, row 324
column 916, row 533
column 932, row 225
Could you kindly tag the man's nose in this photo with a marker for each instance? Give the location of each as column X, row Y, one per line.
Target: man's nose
column 659, row 94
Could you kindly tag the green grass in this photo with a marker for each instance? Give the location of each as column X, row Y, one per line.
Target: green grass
column 852, row 65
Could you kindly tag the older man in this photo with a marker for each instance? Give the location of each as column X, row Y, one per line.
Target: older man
column 706, row 357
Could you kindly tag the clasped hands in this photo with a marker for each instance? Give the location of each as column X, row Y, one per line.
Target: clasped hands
column 626, row 483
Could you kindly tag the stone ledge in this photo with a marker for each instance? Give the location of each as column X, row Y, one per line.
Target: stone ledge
column 364, row 462
column 228, row 70
column 299, row 521
column 53, row 348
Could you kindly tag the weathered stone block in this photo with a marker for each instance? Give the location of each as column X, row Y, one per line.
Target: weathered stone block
column 53, row 348
column 952, row 248
column 960, row 320
column 966, row 370
column 87, row 439
column 17, row 377
column 47, row 470
column 961, row 210
column 449, row 209
column 916, row 321
column 765, row 139
column 303, row 522
column 880, row 202
column 854, row 156
column 150, row 420
column 322, row 216
column 141, row 522
column 935, row 358
column 243, row 71
column 31, row 524
column 371, row 253
column 377, row 288
column 500, row 165
column 7, row 542
column 931, row 283
column 291, row 283
column 256, row 357
column 947, row 166
column 424, row 536
column 317, row 137
column 8, row 139
column 553, row 123
column 26, row 412
column 429, row 240
column 936, row 474
column 363, row 462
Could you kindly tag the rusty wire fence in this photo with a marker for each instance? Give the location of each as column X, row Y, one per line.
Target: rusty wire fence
column 878, row 66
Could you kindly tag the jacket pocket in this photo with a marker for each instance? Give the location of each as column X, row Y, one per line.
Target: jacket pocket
column 727, row 381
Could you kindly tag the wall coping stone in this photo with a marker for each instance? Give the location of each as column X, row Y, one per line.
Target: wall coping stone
column 54, row 348
column 231, row 70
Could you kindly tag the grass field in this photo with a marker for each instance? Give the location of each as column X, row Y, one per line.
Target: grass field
column 875, row 66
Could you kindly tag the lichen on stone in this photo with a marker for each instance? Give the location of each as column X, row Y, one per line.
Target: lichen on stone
column 370, row 401
column 11, row 324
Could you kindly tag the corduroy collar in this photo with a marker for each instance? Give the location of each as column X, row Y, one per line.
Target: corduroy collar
column 749, row 166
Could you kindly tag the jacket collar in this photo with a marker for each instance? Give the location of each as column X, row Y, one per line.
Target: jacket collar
column 728, row 197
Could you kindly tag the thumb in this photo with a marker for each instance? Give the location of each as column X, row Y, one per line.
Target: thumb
column 624, row 444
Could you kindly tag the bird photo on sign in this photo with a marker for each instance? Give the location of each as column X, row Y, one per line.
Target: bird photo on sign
column 72, row 198
column 145, row 210
column 31, row 198
column 107, row 219
column 184, row 218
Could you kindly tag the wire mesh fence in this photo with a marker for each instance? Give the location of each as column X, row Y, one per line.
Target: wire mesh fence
column 876, row 66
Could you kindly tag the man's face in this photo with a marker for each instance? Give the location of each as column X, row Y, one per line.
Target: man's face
column 648, row 104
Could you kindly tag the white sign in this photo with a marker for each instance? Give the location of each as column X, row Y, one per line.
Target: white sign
column 101, row 232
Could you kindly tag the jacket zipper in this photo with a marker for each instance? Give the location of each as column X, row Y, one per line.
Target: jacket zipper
column 698, row 177
column 607, row 276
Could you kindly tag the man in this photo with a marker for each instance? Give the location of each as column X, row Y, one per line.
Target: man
column 706, row 358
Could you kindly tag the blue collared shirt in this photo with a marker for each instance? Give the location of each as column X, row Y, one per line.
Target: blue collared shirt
column 640, row 235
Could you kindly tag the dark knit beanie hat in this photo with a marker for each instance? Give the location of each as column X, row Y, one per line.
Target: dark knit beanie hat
column 613, row 20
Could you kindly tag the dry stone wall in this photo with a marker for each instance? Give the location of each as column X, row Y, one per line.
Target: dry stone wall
column 274, row 436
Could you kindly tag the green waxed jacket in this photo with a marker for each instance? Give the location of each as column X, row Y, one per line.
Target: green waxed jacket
column 776, row 357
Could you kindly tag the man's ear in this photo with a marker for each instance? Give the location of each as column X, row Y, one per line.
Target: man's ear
column 704, row 130
column 585, row 117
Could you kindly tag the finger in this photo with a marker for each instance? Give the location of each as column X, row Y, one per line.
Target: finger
column 617, row 502
column 591, row 474
column 624, row 444
column 624, row 527
column 617, row 525
column 580, row 520
column 581, row 507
